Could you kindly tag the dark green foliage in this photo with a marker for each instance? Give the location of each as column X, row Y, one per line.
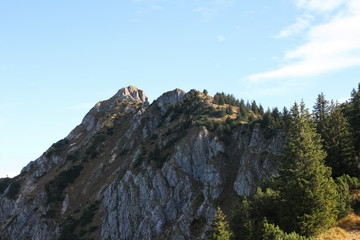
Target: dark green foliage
column 307, row 194
column 254, row 107
column 353, row 114
column 93, row 228
column 110, row 131
column 243, row 113
column 50, row 214
column 321, row 112
column 251, row 118
column 154, row 136
column 243, row 223
column 286, row 118
column 187, row 105
column 197, row 224
column 267, row 123
column 93, row 150
column 89, row 214
column 55, row 187
column 229, row 110
column 4, row 183
column 124, row 152
column 347, row 186
column 205, row 92
column 68, row 229
column 57, row 148
column 344, row 186
column 220, row 227
column 272, row 232
column 213, row 112
column 73, row 156
column 14, row 189
column 221, row 99
column 338, row 143
column 261, row 109
column 157, row 157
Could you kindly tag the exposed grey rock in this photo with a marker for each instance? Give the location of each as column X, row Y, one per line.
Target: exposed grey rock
column 258, row 161
column 168, row 98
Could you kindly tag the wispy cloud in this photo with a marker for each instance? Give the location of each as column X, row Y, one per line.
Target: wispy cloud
column 157, row 8
column 332, row 45
column 205, row 12
column 320, row 5
column 213, row 7
column 301, row 24
column 220, row 38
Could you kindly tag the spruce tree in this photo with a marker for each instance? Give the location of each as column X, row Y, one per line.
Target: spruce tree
column 261, row 110
column 220, row 227
column 307, row 193
column 354, row 117
column 338, row 144
column 254, row 107
column 321, row 112
column 221, row 99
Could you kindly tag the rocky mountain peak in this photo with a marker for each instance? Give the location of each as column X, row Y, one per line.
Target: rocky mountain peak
column 132, row 93
column 171, row 97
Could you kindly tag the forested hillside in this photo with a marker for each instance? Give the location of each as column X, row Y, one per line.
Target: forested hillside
column 318, row 179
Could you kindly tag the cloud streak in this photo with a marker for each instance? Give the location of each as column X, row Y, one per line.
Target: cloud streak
column 296, row 28
column 330, row 46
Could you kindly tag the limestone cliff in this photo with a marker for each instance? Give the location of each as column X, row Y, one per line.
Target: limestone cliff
column 132, row 170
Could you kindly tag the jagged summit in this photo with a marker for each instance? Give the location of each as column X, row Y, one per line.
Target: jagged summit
column 132, row 93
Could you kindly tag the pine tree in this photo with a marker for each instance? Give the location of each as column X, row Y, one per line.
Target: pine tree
column 261, row 109
column 254, row 107
column 338, row 144
column 354, row 117
column 267, row 120
column 321, row 112
column 286, row 118
column 229, row 110
column 242, row 224
column 221, row 99
column 220, row 227
column 307, row 193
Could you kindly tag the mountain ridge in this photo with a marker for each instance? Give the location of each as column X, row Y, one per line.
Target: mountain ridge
column 134, row 170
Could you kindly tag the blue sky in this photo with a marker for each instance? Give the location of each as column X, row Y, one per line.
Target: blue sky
column 58, row 58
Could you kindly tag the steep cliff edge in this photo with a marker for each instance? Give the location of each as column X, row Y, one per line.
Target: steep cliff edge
column 132, row 170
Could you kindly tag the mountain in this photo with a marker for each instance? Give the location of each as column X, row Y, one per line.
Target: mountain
column 134, row 170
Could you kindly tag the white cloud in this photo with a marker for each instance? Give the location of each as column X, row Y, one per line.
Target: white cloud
column 343, row 100
column 320, row 5
column 333, row 45
column 296, row 28
column 157, row 8
column 220, row 38
column 205, row 12
column 214, row 7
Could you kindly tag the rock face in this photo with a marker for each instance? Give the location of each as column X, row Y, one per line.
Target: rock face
column 134, row 171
